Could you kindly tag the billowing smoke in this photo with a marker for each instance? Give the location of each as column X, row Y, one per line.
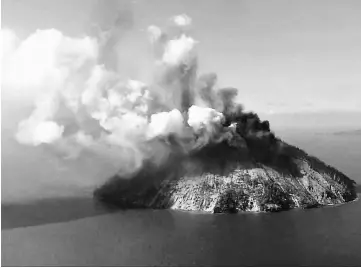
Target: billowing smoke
column 82, row 104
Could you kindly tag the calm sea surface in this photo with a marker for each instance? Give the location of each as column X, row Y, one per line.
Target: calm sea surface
column 327, row 236
column 71, row 231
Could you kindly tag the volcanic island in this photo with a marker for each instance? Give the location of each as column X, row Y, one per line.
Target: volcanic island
column 219, row 158
column 252, row 170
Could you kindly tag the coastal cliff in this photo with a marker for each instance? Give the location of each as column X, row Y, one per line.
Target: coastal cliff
column 228, row 180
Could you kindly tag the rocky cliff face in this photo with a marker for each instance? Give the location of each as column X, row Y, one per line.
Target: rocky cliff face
column 230, row 181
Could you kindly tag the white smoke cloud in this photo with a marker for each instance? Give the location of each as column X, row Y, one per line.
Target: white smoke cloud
column 35, row 133
column 39, row 128
column 200, row 118
column 70, row 87
column 180, row 50
column 43, row 68
column 165, row 123
column 43, row 62
column 154, row 33
column 9, row 42
column 182, row 20
column 94, row 85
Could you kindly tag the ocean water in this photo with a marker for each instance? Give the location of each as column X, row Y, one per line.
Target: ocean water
column 73, row 231
column 328, row 236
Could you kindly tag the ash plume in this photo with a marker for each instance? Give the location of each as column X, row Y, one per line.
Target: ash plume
column 83, row 104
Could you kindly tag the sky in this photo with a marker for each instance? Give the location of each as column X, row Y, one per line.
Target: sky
column 284, row 56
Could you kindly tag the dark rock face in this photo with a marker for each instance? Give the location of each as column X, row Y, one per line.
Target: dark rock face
column 207, row 181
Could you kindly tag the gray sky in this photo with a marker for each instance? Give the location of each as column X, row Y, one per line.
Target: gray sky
column 283, row 55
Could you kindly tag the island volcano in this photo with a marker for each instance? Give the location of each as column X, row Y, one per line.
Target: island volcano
column 219, row 158
column 245, row 173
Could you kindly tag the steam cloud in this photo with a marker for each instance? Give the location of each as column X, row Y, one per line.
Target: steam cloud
column 82, row 104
